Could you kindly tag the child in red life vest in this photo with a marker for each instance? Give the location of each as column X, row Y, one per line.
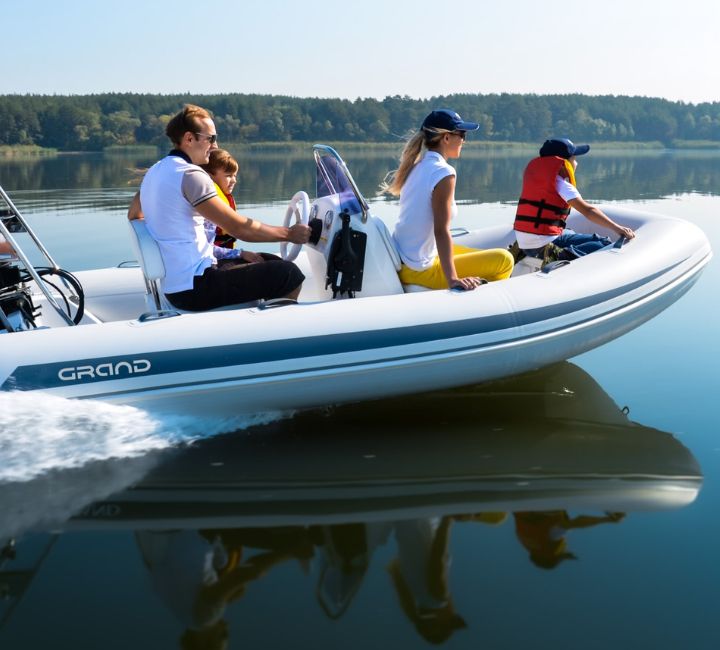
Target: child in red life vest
column 548, row 193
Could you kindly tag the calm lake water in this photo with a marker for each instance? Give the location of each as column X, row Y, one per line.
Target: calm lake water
column 575, row 507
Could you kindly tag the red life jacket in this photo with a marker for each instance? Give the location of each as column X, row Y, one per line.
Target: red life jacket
column 541, row 210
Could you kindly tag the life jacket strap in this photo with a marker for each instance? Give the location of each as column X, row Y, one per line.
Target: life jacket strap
column 543, row 206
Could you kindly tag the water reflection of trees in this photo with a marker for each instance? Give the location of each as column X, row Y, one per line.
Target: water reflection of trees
column 81, row 171
column 483, row 176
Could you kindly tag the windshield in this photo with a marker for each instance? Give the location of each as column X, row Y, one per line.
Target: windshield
column 333, row 177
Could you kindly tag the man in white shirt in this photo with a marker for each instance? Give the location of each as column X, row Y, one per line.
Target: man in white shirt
column 176, row 196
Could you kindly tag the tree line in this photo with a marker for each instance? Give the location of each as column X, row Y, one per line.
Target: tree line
column 94, row 122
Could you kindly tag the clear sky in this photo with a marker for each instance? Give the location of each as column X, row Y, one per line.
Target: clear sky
column 362, row 48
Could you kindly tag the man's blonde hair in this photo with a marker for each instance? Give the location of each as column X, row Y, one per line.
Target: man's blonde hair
column 188, row 119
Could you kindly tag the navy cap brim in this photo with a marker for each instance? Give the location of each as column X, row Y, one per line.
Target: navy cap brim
column 467, row 126
column 581, row 149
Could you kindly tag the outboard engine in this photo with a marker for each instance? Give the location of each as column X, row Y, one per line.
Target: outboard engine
column 17, row 312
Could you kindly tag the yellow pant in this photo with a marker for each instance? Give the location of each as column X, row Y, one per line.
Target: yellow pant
column 491, row 264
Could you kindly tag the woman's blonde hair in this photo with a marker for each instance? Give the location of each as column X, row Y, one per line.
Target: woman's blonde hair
column 411, row 155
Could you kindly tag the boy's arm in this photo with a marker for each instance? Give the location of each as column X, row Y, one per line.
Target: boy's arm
column 591, row 213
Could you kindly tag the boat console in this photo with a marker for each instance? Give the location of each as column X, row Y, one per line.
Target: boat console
column 351, row 253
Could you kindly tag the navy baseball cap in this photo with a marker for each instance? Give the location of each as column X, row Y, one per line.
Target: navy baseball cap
column 563, row 148
column 449, row 120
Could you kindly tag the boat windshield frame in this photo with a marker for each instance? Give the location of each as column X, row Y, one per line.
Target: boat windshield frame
column 335, row 178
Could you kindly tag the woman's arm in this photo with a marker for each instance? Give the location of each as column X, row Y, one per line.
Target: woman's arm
column 442, row 204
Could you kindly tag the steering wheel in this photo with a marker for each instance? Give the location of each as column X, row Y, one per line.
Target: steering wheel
column 300, row 207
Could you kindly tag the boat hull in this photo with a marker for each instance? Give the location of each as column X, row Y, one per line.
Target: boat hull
column 311, row 354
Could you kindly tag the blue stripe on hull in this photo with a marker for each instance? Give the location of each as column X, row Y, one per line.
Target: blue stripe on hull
column 46, row 376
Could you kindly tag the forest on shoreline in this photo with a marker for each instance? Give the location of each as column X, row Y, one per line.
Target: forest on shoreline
column 34, row 123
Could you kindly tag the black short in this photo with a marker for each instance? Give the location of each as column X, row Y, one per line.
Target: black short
column 234, row 281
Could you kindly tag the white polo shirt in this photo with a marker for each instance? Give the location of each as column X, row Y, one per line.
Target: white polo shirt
column 169, row 193
column 414, row 233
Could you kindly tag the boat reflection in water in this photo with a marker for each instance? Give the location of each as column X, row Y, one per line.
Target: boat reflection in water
column 547, row 453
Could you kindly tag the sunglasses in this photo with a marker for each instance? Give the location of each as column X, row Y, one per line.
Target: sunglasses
column 212, row 139
column 459, row 134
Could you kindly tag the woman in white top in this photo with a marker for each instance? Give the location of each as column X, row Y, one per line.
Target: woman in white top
column 425, row 183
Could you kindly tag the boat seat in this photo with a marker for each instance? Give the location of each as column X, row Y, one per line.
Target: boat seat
column 526, row 266
column 153, row 268
column 388, row 242
column 394, row 255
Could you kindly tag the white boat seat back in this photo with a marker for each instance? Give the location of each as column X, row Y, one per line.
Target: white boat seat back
column 388, row 242
column 391, row 250
column 395, row 256
column 153, row 268
column 382, row 261
column 151, row 262
column 148, row 251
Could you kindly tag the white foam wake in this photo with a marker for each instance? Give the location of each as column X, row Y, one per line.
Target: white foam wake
column 39, row 433
column 59, row 455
